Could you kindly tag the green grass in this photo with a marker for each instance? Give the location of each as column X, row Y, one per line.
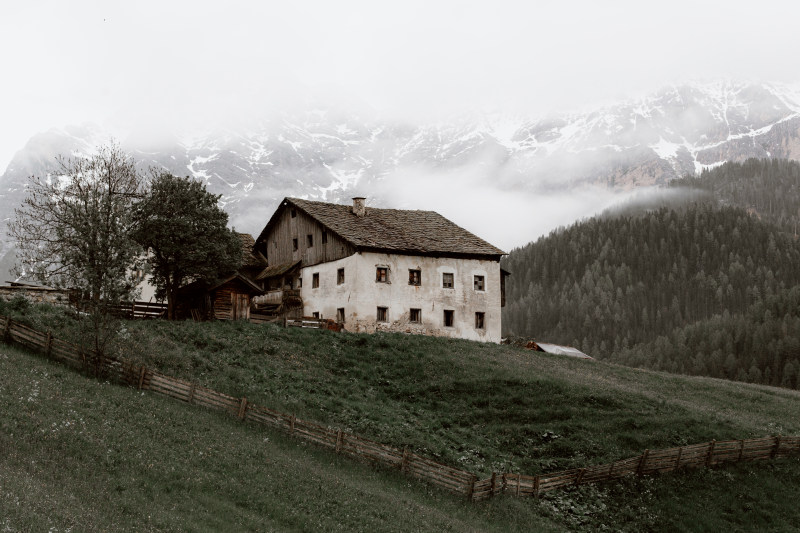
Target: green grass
column 481, row 407
column 83, row 455
column 484, row 408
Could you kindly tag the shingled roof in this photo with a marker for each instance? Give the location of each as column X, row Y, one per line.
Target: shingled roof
column 248, row 259
column 395, row 230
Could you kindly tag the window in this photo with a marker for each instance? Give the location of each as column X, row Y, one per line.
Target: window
column 324, row 237
column 414, row 277
column 415, row 315
column 340, row 276
column 294, row 213
column 449, row 316
column 479, row 320
column 315, row 314
column 315, row 280
column 382, row 274
column 340, row 315
column 299, row 283
column 310, row 240
column 294, row 244
column 479, row 283
column 447, row 280
column 382, row 313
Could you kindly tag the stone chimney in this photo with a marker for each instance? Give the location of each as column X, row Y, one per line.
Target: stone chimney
column 359, row 207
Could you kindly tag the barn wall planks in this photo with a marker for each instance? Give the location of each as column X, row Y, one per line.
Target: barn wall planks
column 279, row 245
column 446, row 477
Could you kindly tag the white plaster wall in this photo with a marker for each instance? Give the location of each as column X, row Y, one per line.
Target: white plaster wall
column 360, row 295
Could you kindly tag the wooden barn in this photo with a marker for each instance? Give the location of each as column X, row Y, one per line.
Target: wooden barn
column 225, row 299
column 228, row 298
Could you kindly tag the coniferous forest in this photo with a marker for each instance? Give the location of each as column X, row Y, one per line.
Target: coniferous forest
column 707, row 286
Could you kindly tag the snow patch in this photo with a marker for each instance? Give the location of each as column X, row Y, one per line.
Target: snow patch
column 666, row 149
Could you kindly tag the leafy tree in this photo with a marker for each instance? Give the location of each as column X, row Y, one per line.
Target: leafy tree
column 185, row 233
column 73, row 230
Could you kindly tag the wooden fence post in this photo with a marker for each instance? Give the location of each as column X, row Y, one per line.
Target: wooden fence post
column 404, row 462
column 579, row 477
column 741, row 450
column 775, row 449
column 191, row 393
column 678, row 459
column 519, row 482
column 471, row 487
column 494, row 477
column 242, row 408
column 7, row 332
column 504, row 483
column 710, row 452
column 285, row 322
column 640, row 469
column 291, row 424
column 49, row 346
column 536, row 486
column 142, row 372
column 338, row 441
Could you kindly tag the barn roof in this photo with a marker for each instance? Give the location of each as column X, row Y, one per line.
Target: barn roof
column 561, row 350
column 248, row 258
column 276, row 270
column 392, row 230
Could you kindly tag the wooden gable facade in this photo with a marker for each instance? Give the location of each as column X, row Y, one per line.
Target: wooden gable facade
column 292, row 235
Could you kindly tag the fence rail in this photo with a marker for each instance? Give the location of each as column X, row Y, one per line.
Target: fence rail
column 452, row 479
column 138, row 310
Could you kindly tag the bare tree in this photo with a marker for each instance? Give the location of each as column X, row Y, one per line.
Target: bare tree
column 73, row 230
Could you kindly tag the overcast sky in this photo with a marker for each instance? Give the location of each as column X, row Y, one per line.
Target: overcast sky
column 198, row 63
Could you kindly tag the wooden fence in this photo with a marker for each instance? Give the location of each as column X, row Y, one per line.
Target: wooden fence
column 137, row 310
column 452, row 479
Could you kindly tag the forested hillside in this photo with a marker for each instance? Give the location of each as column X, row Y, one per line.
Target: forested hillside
column 768, row 188
column 703, row 289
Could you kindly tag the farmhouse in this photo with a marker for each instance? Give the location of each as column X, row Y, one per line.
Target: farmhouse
column 382, row 269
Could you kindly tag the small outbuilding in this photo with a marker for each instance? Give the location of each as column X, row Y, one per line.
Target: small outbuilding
column 228, row 298
column 225, row 299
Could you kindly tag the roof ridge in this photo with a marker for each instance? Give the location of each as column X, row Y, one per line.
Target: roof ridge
column 410, row 231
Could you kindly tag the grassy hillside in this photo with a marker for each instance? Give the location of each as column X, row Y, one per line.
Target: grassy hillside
column 480, row 407
column 82, row 455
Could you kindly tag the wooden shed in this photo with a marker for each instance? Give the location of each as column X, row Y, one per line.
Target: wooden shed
column 225, row 299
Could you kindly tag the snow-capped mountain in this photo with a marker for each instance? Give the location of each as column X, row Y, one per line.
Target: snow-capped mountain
column 331, row 155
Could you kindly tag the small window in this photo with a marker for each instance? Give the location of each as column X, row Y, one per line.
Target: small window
column 382, row 313
column 340, row 276
column 299, row 283
column 324, row 237
column 315, row 314
column 294, row 213
column 414, row 277
column 449, row 316
column 294, row 244
column 447, row 280
column 310, row 240
column 479, row 320
column 479, row 283
column 340, row 315
column 315, row 280
column 415, row 315
column 382, row 275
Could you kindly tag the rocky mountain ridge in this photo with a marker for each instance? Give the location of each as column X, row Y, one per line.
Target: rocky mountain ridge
column 330, row 155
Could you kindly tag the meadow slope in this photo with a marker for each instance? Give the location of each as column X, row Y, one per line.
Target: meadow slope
column 479, row 407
